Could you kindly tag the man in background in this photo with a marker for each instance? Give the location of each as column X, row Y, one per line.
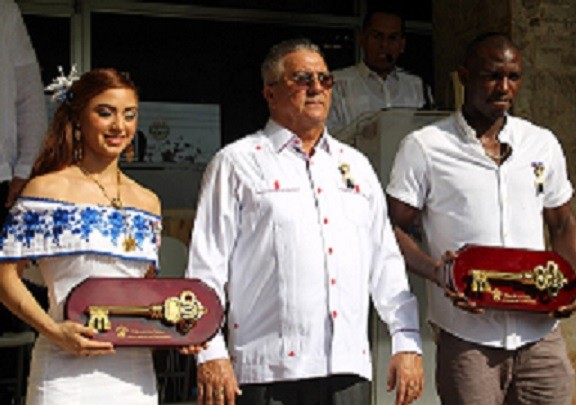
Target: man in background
column 377, row 82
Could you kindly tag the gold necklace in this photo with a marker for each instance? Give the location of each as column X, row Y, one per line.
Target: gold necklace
column 129, row 243
column 116, row 202
column 505, row 153
column 500, row 156
column 494, row 155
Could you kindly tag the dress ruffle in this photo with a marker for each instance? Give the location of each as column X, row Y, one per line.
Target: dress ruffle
column 37, row 228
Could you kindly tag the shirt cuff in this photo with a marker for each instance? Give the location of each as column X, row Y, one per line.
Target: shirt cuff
column 406, row 340
column 216, row 350
column 22, row 171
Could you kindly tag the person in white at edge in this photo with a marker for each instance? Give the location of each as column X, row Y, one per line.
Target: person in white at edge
column 22, row 107
column 292, row 232
column 484, row 177
column 377, row 82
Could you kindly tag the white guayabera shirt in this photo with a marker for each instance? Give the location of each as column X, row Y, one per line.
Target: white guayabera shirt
column 296, row 245
column 358, row 91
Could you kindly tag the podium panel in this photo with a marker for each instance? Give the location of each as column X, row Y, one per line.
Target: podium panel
column 378, row 136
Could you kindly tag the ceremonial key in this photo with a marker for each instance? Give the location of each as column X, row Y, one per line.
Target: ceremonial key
column 183, row 311
column 548, row 279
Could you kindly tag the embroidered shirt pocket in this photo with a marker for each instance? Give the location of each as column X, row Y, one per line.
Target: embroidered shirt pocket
column 355, row 204
column 280, row 201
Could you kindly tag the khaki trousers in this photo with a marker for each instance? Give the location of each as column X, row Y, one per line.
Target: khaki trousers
column 539, row 373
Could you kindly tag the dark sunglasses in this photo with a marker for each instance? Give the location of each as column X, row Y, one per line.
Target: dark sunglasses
column 306, row 79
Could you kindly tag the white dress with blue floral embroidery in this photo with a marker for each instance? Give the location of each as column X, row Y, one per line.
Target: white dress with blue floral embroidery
column 72, row 242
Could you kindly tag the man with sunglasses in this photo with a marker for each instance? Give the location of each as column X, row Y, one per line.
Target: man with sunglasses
column 376, row 82
column 291, row 230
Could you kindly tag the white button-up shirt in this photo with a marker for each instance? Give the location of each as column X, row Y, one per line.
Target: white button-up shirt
column 22, row 106
column 359, row 91
column 467, row 198
column 296, row 248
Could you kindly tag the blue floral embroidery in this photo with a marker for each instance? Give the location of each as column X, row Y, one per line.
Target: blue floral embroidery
column 62, row 220
column 24, row 225
column 117, row 227
column 90, row 219
column 141, row 229
column 8, row 229
column 32, row 224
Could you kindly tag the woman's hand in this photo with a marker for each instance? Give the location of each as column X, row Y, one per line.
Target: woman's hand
column 77, row 339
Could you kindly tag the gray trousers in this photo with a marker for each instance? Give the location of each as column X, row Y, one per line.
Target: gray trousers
column 539, row 373
column 331, row 390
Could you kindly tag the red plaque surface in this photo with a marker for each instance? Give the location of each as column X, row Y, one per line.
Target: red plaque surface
column 153, row 312
column 515, row 279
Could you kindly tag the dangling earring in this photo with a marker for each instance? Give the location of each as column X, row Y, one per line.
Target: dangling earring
column 129, row 153
column 77, row 144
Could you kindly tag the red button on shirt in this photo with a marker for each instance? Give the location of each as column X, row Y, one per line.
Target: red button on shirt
column 330, row 250
column 325, row 221
column 334, row 314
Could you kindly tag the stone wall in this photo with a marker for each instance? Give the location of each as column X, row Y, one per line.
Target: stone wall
column 455, row 23
column 545, row 32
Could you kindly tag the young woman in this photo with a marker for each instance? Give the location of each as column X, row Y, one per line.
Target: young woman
column 80, row 216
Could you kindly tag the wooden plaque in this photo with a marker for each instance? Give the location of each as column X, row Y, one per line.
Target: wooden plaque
column 516, row 279
column 154, row 312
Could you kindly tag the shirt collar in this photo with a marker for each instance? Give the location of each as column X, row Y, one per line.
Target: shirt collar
column 470, row 134
column 365, row 72
column 281, row 137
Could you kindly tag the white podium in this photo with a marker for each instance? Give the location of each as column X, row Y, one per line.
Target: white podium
column 378, row 136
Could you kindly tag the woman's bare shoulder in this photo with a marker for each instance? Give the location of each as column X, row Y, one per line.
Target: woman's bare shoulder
column 55, row 185
column 142, row 198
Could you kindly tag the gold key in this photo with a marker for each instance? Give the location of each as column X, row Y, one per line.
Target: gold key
column 549, row 279
column 183, row 311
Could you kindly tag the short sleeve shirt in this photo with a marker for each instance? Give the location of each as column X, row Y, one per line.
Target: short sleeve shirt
column 466, row 198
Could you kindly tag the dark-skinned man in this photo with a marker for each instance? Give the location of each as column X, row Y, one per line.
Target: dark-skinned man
column 485, row 177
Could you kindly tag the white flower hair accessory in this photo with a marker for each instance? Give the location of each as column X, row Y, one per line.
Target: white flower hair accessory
column 60, row 86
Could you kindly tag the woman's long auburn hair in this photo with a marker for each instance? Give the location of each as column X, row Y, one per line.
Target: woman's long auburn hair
column 58, row 149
